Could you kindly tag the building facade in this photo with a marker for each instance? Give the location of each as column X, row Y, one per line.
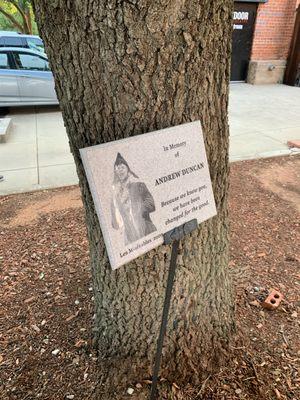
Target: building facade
column 262, row 37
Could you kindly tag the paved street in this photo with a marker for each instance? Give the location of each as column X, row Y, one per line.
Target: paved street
column 36, row 153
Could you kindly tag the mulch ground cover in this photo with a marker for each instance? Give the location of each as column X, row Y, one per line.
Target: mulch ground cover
column 46, row 298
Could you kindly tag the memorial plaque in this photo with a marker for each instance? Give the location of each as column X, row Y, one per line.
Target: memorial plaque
column 146, row 185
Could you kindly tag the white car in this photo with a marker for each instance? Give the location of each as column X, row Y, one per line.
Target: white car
column 25, row 78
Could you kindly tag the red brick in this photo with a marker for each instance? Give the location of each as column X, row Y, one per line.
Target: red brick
column 273, row 29
column 273, row 300
column 294, row 143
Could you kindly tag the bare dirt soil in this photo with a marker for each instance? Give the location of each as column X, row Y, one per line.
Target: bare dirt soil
column 46, row 303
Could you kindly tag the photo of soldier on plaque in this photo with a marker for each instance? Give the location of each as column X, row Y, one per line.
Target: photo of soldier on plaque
column 131, row 204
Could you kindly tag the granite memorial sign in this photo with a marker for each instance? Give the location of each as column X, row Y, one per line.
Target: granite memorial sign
column 146, row 185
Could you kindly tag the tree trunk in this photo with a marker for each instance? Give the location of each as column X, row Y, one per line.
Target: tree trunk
column 128, row 67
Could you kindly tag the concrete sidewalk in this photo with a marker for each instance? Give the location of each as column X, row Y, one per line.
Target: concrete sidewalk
column 262, row 119
column 36, row 153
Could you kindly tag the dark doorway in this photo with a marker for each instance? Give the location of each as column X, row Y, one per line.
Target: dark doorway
column 292, row 73
column 242, row 37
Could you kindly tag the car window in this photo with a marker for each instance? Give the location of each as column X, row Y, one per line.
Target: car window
column 4, row 64
column 36, row 44
column 31, row 62
column 13, row 41
column 32, row 46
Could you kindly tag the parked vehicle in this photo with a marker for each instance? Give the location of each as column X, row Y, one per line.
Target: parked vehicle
column 25, row 78
column 15, row 39
column 8, row 33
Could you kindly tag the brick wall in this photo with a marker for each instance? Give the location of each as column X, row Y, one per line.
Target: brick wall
column 273, row 29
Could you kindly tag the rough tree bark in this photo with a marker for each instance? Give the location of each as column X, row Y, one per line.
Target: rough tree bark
column 128, row 67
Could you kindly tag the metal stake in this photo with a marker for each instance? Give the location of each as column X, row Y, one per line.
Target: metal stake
column 173, row 236
column 164, row 319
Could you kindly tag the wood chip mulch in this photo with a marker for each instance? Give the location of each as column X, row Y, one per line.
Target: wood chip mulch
column 46, row 298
